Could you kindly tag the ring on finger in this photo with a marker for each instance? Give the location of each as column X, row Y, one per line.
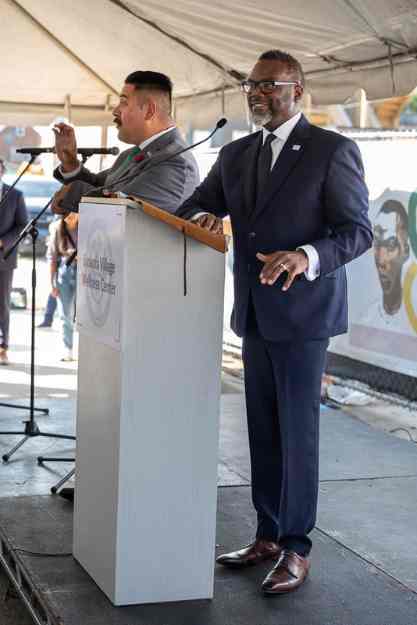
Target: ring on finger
column 284, row 266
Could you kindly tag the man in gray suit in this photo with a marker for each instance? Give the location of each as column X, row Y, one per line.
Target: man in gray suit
column 143, row 118
column 13, row 218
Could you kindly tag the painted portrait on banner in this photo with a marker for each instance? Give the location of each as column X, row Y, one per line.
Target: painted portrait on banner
column 383, row 289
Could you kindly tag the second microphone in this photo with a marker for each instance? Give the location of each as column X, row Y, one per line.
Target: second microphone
column 82, row 151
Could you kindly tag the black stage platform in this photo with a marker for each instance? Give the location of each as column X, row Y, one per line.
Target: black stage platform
column 364, row 561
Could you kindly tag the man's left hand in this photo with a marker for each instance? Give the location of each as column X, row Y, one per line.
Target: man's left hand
column 294, row 263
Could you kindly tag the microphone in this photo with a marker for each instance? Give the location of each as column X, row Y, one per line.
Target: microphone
column 82, row 151
column 222, row 122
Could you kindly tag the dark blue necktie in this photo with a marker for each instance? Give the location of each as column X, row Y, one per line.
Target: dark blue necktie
column 264, row 165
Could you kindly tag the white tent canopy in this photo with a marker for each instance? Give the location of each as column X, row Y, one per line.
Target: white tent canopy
column 59, row 55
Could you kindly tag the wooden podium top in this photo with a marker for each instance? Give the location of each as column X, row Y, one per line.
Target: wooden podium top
column 218, row 242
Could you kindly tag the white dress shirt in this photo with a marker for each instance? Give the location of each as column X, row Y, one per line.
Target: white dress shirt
column 282, row 133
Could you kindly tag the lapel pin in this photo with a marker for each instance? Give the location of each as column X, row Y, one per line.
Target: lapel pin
column 296, row 147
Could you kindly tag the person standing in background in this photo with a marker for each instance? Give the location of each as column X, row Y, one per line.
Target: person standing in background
column 61, row 248
column 51, row 303
column 13, row 218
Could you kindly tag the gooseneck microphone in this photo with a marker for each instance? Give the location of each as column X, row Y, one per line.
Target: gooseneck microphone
column 222, row 122
column 82, row 151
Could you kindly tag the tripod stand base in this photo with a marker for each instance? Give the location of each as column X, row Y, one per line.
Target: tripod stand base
column 69, row 492
column 31, row 430
column 6, row 457
column 66, row 493
column 41, row 410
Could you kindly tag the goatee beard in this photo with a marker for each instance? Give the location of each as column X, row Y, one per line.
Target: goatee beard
column 261, row 119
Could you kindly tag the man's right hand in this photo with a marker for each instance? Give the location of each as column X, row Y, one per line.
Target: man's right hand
column 210, row 222
column 56, row 207
column 66, row 146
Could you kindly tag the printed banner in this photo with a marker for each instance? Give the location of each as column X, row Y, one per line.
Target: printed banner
column 100, row 271
column 383, row 289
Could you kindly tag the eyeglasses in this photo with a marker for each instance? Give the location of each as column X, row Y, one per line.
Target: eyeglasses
column 265, row 86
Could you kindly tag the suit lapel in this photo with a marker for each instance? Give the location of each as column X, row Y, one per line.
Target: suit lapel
column 156, row 150
column 290, row 155
column 133, row 165
column 250, row 157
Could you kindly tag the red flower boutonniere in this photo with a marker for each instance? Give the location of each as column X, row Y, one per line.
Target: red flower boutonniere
column 138, row 158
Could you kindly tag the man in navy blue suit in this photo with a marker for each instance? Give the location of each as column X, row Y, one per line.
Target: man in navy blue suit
column 13, row 218
column 298, row 206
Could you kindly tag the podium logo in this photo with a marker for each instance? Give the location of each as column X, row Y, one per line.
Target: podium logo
column 98, row 274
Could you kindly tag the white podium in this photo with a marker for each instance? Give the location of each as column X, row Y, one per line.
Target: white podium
column 148, row 403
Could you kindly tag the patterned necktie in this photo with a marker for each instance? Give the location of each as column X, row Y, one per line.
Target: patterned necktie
column 123, row 167
column 133, row 153
column 264, row 164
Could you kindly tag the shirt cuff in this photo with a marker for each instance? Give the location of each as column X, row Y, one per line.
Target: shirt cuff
column 197, row 215
column 313, row 270
column 69, row 174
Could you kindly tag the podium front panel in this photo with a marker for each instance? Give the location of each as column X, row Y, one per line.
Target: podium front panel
column 159, row 437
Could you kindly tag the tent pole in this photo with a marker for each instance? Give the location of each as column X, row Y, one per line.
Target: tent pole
column 67, row 107
column 104, row 130
column 360, row 112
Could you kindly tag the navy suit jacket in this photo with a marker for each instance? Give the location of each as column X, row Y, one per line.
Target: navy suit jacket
column 316, row 194
column 13, row 218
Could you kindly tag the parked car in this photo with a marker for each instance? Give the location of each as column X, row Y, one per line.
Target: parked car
column 37, row 191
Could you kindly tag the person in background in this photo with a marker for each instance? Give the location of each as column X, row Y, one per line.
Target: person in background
column 51, row 302
column 50, row 309
column 13, row 218
column 61, row 248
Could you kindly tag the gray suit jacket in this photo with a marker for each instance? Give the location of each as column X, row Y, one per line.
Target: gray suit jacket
column 166, row 185
column 13, row 218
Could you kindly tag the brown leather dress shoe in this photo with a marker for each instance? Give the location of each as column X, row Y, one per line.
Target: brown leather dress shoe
column 288, row 574
column 4, row 360
column 257, row 551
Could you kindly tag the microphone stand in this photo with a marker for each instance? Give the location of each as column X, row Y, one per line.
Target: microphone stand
column 31, row 428
column 2, row 202
column 41, row 459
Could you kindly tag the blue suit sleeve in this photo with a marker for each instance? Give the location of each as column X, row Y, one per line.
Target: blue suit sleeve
column 208, row 197
column 20, row 220
column 346, row 210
